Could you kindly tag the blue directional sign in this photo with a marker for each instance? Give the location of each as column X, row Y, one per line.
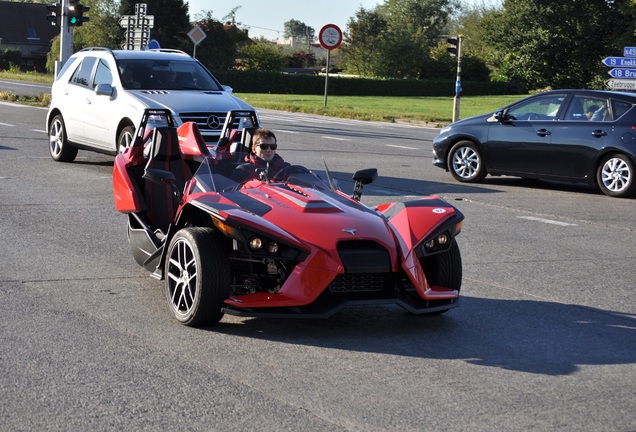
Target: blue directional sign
column 619, row 61
column 623, row 73
column 629, row 51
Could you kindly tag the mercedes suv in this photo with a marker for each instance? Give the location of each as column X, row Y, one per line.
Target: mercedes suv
column 99, row 96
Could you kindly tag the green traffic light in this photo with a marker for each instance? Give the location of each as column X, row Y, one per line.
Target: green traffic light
column 73, row 20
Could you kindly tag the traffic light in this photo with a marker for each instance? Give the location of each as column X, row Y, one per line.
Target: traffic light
column 452, row 49
column 54, row 15
column 76, row 13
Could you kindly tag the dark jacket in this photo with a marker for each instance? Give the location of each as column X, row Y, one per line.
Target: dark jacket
column 252, row 169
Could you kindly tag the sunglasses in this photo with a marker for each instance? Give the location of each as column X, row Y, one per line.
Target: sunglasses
column 267, row 146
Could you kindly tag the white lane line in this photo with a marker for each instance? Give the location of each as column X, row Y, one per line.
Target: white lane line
column 548, row 221
column 402, row 147
column 335, row 138
column 6, row 124
column 286, row 131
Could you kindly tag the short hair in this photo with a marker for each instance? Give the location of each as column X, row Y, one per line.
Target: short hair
column 261, row 133
column 592, row 108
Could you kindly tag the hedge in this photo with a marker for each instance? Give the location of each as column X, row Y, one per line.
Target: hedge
column 279, row 83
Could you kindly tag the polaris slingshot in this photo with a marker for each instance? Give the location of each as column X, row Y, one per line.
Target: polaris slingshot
column 289, row 246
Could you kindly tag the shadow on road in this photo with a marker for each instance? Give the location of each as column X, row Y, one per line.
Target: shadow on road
column 530, row 336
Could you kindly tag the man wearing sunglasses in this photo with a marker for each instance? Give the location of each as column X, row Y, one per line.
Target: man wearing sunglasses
column 263, row 158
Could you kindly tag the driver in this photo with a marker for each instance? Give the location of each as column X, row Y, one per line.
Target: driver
column 262, row 158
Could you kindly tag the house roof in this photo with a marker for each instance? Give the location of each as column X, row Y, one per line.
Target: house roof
column 26, row 24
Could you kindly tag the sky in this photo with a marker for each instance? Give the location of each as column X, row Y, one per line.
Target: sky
column 267, row 17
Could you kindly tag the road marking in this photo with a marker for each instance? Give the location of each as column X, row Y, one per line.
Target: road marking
column 6, row 124
column 285, row 131
column 548, row 221
column 402, row 147
column 335, row 138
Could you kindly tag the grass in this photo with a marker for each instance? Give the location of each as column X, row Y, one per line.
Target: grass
column 432, row 110
column 435, row 111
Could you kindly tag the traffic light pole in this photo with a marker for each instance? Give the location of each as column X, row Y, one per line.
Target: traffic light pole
column 66, row 38
column 458, row 82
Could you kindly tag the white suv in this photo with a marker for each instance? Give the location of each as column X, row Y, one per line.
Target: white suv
column 99, row 96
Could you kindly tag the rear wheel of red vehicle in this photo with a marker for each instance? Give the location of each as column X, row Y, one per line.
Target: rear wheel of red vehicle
column 59, row 146
column 197, row 276
column 465, row 162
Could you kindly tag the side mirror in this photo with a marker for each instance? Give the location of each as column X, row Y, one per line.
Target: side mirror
column 228, row 89
column 361, row 178
column 104, row 90
column 366, row 176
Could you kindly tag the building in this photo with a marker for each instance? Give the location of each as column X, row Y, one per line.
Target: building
column 24, row 28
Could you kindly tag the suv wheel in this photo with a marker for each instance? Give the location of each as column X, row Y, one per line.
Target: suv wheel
column 59, row 146
column 125, row 139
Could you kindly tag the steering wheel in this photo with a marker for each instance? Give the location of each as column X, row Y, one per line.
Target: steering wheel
column 534, row 116
column 284, row 174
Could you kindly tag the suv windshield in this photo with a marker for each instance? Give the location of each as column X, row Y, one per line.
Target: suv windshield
column 166, row 75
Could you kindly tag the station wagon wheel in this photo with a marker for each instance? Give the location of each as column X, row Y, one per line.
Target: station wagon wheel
column 197, row 276
column 615, row 176
column 125, row 139
column 465, row 162
column 59, row 146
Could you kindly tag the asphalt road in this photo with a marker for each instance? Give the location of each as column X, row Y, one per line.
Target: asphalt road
column 24, row 88
column 545, row 338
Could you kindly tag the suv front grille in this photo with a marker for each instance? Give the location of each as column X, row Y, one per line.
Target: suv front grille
column 207, row 121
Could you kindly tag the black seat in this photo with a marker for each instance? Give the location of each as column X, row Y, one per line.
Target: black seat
column 164, row 155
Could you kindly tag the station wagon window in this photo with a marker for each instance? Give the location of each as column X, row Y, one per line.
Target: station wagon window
column 103, row 74
column 585, row 108
column 82, row 75
column 619, row 108
column 541, row 108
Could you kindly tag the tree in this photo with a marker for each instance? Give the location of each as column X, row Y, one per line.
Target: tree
column 364, row 42
column 395, row 38
column 218, row 51
column 558, row 44
column 299, row 30
column 263, row 57
column 171, row 21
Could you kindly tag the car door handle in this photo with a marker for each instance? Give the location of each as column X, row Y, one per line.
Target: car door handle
column 88, row 101
column 599, row 133
column 543, row 132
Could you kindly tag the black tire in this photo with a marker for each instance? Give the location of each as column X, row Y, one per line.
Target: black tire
column 197, row 276
column 125, row 138
column 59, row 147
column 465, row 162
column 445, row 269
column 615, row 176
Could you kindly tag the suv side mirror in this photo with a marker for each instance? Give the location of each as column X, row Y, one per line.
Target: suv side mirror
column 104, row 90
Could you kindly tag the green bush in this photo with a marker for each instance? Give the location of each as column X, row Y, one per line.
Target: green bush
column 279, row 83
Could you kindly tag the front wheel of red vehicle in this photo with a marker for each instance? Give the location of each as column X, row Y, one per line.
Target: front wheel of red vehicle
column 615, row 176
column 197, row 277
column 465, row 162
column 445, row 269
column 59, row 146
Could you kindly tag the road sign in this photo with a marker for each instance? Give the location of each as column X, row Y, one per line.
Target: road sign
column 623, row 73
column 330, row 37
column 621, row 84
column 196, row 35
column 619, row 61
column 629, row 51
